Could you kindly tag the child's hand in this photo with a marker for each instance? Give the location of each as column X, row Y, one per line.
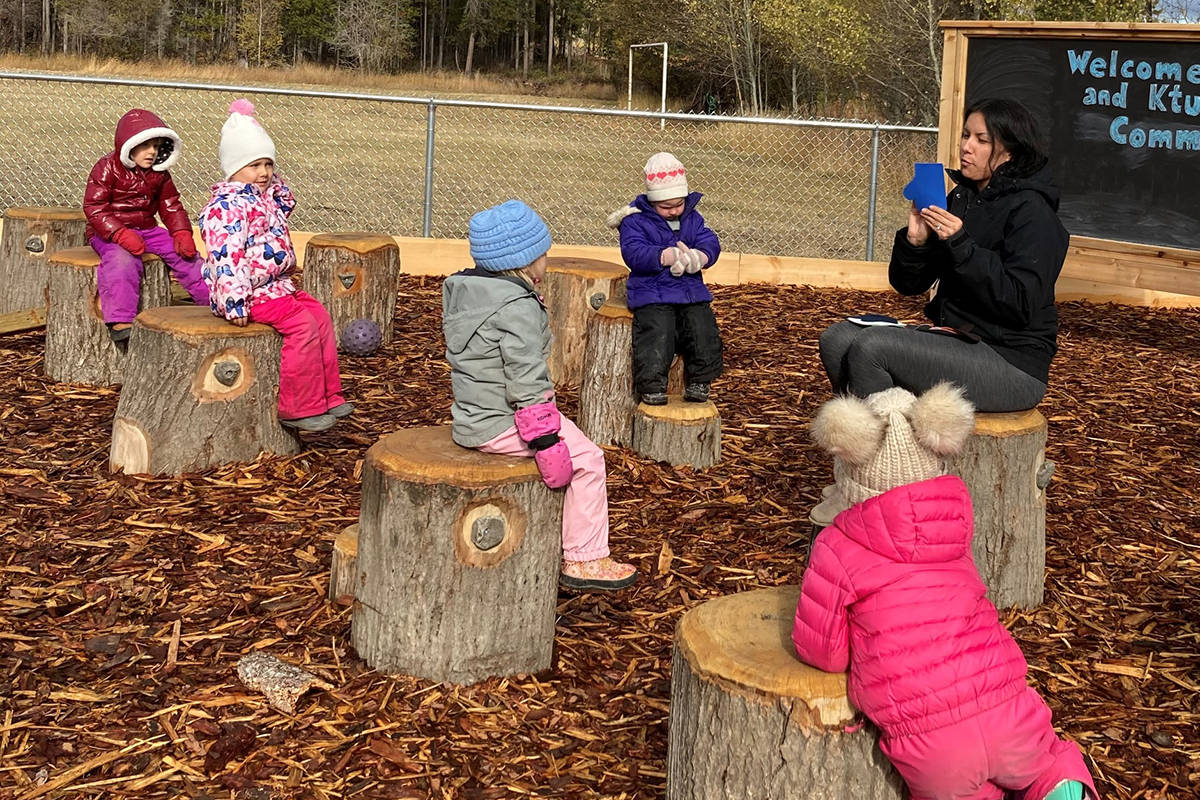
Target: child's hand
column 185, row 245
column 131, row 240
column 241, row 322
column 669, row 256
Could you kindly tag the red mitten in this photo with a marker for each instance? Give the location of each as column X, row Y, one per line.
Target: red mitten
column 185, row 245
column 538, row 426
column 131, row 240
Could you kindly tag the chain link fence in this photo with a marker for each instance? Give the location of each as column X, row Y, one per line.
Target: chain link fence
column 419, row 166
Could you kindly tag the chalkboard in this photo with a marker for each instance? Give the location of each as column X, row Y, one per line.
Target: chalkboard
column 1121, row 120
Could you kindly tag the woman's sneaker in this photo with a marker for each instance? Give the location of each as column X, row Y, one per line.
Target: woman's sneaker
column 602, row 574
column 341, row 410
column 313, row 424
column 696, row 393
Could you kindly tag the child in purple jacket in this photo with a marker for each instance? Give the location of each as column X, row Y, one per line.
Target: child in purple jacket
column 892, row 593
column 666, row 244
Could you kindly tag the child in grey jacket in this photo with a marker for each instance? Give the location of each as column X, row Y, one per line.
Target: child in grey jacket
column 497, row 341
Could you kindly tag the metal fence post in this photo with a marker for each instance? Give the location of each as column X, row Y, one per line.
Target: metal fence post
column 874, row 194
column 427, row 219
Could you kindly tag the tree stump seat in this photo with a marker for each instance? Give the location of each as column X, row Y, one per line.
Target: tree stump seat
column 459, row 554
column 606, row 398
column 1004, row 467
column 198, row 392
column 750, row 720
column 78, row 346
column 678, row 433
column 31, row 235
column 343, row 568
column 574, row 289
column 355, row 276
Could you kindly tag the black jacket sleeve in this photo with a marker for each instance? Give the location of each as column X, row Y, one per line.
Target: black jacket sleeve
column 913, row 269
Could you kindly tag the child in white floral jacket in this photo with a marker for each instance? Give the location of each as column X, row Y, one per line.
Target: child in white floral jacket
column 249, row 268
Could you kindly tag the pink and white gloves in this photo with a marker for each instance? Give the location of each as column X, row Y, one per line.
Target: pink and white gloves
column 682, row 258
column 538, row 426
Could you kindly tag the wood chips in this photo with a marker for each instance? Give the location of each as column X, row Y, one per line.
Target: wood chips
column 126, row 602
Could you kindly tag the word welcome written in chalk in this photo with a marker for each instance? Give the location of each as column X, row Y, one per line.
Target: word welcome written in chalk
column 1164, row 87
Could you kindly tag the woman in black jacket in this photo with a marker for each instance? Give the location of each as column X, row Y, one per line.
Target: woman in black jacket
column 995, row 253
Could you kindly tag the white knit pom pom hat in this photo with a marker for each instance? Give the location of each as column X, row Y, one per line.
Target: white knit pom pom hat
column 243, row 140
column 666, row 178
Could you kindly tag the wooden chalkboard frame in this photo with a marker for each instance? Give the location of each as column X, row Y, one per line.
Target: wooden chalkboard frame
column 1104, row 261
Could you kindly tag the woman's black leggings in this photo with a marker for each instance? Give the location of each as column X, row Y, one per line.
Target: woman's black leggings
column 864, row 360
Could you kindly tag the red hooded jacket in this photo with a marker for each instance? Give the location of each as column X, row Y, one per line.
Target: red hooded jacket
column 122, row 195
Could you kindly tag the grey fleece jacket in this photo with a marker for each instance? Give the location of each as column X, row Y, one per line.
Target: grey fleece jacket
column 497, row 342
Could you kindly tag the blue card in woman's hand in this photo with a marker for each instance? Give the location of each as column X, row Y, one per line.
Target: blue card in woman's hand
column 928, row 186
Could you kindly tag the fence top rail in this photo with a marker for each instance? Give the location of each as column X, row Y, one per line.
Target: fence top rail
column 432, row 101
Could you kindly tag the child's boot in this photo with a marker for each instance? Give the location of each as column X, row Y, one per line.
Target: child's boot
column 119, row 331
column 341, row 410
column 654, row 398
column 1066, row 790
column 313, row 424
column 602, row 574
column 696, row 393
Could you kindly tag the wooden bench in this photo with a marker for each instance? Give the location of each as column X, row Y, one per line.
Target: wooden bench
column 1005, row 469
column 574, row 289
column 750, row 720
column 198, row 391
column 355, row 276
column 459, row 554
column 30, row 236
column 78, row 346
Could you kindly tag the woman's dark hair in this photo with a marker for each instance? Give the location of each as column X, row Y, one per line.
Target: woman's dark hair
column 1011, row 124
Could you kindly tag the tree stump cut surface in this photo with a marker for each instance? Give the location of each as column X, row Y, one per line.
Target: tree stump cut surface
column 750, row 720
column 678, row 433
column 355, row 276
column 574, row 289
column 78, row 347
column 343, row 571
column 1001, row 464
column 458, row 560
column 198, row 391
column 31, row 236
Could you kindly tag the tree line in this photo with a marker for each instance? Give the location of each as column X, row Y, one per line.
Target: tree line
column 825, row 57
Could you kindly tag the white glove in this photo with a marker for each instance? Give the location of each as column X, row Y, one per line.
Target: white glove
column 678, row 261
column 695, row 261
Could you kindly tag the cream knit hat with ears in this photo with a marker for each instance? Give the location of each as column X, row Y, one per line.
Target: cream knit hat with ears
column 243, row 140
column 666, row 178
column 889, row 439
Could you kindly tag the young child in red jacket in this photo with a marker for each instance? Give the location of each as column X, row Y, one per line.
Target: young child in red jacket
column 892, row 593
column 125, row 190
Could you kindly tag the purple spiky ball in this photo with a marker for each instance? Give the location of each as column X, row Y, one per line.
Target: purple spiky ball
column 361, row 337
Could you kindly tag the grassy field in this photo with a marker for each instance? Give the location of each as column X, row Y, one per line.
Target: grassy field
column 360, row 164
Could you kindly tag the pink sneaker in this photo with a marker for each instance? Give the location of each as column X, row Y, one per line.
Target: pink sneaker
column 602, row 574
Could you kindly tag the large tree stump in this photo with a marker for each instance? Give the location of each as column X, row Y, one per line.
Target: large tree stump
column 343, row 568
column 1004, row 467
column 78, row 347
column 751, row 721
column 458, row 560
column 606, row 396
column 198, row 391
column 574, row 289
column 30, row 236
column 678, row 433
column 355, row 276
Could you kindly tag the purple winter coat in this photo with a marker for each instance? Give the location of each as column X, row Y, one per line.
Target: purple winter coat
column 644, row 235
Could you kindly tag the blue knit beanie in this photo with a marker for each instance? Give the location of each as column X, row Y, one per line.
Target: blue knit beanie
column 508, row 236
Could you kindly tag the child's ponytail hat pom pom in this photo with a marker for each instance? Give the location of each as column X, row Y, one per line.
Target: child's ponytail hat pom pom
column 242, row 106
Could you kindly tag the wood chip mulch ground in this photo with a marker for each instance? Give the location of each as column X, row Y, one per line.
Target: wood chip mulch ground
column 126, row 602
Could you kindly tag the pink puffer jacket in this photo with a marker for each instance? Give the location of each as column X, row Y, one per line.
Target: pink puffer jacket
column 891, row 592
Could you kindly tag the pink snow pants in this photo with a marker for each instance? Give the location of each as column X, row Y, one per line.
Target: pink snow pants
column 585, row 505
column 119, row 276
column 1010, row 748
column 309, row 383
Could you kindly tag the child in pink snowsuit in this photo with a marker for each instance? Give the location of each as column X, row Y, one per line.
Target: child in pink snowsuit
column 892, row 593
column 125, row 190
column 249, row 269
column 497, row 340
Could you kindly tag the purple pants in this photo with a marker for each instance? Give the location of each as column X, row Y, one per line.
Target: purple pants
column 119, row 276
column 1010, row 748
column 309, row 382
column 585, row 503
